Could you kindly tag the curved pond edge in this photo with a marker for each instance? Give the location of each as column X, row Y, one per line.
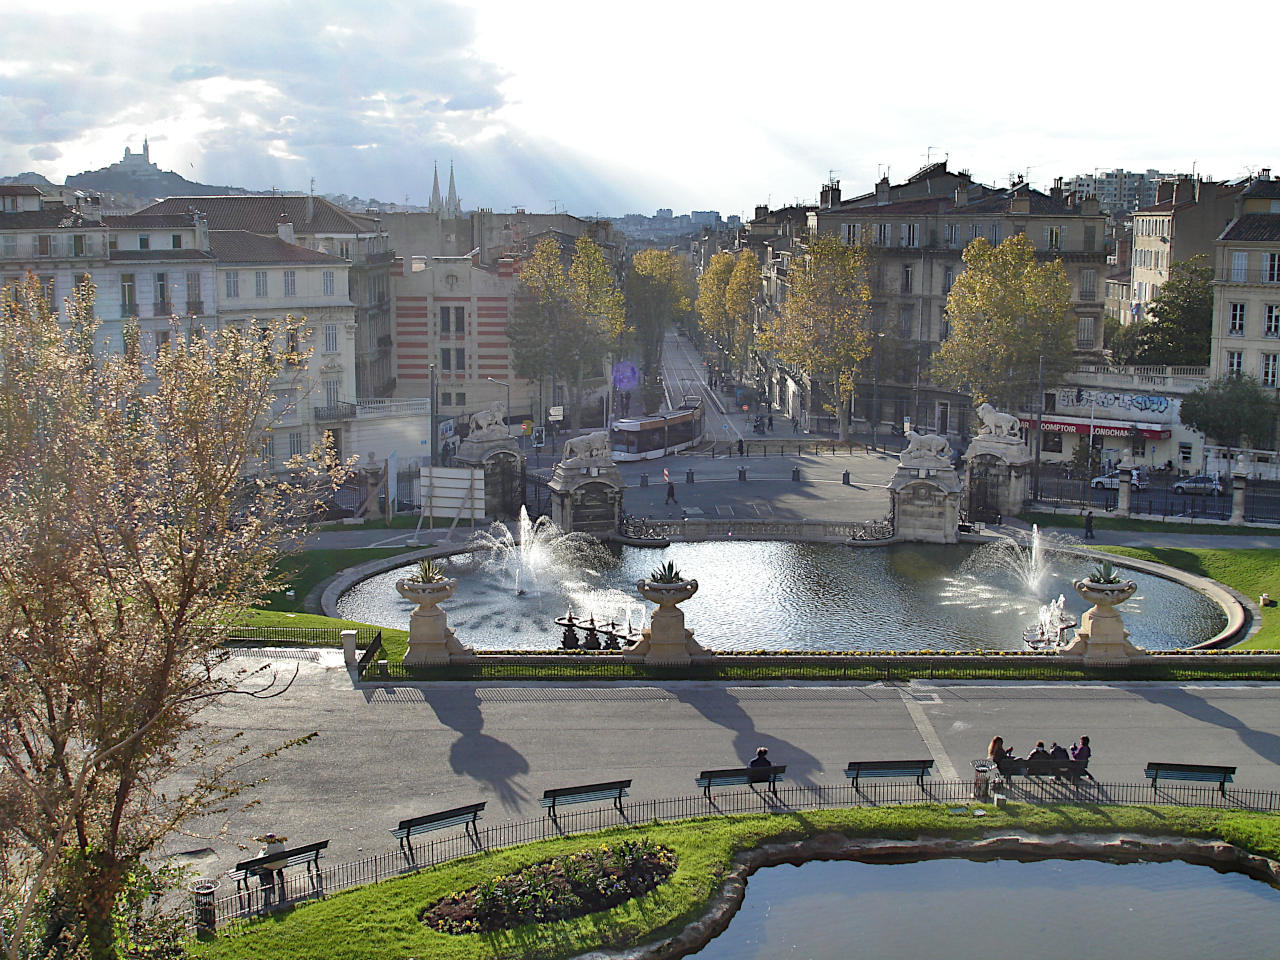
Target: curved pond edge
column 1244, row 619
column 1113, row 848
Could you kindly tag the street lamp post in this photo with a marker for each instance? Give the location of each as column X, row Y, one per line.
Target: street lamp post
column 875, row 388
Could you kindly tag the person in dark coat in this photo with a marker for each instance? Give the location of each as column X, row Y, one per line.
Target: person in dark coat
column 761, row 758
column 1039, row 753
column 671, row 493
column 1088, row 525
column 740, row 446
column 1058, row 752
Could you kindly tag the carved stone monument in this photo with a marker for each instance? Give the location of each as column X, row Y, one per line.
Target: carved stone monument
column 1102, row 635
column 490, row 447
column 925, row 491
column 586, row 487
column 997, row 463
column 666, row 641
column 431, row 642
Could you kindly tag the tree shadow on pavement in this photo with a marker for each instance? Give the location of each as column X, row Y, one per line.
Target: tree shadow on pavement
column 476, row 754
column 720, row 707
column 1265, row 745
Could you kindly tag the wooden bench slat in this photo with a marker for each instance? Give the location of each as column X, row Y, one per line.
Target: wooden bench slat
column 733, row 776
column 1201, row 772
column 613, row 790
column 888, row 768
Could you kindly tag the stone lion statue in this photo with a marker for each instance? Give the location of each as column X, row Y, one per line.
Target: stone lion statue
column 1002, row 426
column 925, row 446
column 490, row 422
column 591, row 446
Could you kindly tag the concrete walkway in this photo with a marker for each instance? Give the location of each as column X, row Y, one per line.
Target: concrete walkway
column 1138, row 538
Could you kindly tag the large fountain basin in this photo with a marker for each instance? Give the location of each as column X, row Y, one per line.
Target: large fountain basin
column 796, row 596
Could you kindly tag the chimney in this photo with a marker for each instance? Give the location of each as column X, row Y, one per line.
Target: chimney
column 1089, row 207
column 285, row 229
column 311, row 210
column 882, row 190
column 762, row 211
column 1164, row 191
column 1056, row 190
column 1020, row 202
column 1206, row 191
column 1265, row 173
column 506, row 267
column 830, row 195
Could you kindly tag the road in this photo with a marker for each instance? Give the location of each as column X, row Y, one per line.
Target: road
column 392, row 751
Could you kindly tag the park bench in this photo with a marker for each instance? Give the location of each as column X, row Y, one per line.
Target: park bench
column 886, row 769
column 277, row 862
column 737, row 776
column 1073, row 770
column 614, row 790
column 1205, row 773
column 411, row 827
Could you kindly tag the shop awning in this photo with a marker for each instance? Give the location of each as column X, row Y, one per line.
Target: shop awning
column 1101, row 428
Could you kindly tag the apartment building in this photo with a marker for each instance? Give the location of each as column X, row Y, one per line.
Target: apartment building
column 917, row 233
column 319, row 225
column 1246, row 287
column 1186, row 219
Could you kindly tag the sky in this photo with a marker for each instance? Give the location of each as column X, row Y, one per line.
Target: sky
column 612, row 108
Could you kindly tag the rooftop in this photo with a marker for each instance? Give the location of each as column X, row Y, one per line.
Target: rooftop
column 1253, row 227
column 263, row 214
column 241, row 246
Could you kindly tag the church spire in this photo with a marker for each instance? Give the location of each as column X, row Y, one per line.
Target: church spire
column 436, row 205
column 452, row 206
column 146, row 151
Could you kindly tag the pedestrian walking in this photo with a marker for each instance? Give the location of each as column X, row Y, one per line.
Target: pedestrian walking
column 671, row 493
column 740, row 446
column 1088, row 525
column 795, row 425
column 771, row 423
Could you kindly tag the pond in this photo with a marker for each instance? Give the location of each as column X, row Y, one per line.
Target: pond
column 966, row 910
column 798, row 596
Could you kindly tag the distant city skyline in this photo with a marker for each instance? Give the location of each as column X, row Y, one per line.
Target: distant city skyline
column 568, row 105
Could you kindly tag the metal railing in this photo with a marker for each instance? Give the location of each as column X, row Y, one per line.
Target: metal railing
column 195, row 306
column 1266, row 276
column 306, row 636
column 342, row 410
column 256, row 899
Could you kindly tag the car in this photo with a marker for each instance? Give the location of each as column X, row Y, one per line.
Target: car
column 1203, row 484
column 1111, row 481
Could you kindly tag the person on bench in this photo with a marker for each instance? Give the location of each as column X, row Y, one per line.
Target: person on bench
column 997, row 753
column 1039, row 753
column 761, row 759
column 1058, row 752
column 1081, row 753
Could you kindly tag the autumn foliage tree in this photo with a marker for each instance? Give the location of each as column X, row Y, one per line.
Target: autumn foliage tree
column 712, row 286
column 659, row 291
column 1007, row 311
column 823, row 327
column 135, row 529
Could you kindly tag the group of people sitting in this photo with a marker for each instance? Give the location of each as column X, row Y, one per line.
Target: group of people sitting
column 1079, row 752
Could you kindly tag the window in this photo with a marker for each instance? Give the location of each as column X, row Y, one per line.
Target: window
column 948, row 279
column 1050, row 442
column 176, row 241
column 446, row 399
column 344, row 249
column 259, row 283
column 291, row 283
column 994, row 235
column 162, row 341
column 1090, row 236
column 160, row 291
column 232, row 278
column 460, row 399
column 446, row 358
column 882, row 234
column 1235, row 362
column 144, row 241
column 1235, row 326
column 848, row 233
column 327, row 279
column 444, row 319
column 269, row 447
column 1053, row 238
column 331, row 393
column 44, row 245
column 1088, row 284
column 910, row 235
column 1269, row 369
column 113, row 241
column 975, row 231
column 460, row 359
column 128, row 291
column 10, row 245
column 944, row 327
column 330, row 338
column 1273, row 268
column 952, row 234
column 295, row 443
column 906, row 278
column 1184, row 452
column 1272, row 328
column 292, row 345
column 1084, row 333
column 77, row 245
column 1139, row 446
column 459, row 319
column 1239, row 265
column 906, row 318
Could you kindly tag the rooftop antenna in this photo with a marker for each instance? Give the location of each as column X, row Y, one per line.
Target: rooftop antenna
column 928, row 155
column 313, row 186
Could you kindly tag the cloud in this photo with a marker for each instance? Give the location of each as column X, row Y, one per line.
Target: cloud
column 194, row 71
column 46, row 152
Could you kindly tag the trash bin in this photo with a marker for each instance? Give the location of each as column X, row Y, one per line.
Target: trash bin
column 742, row 474
column 644, row 479
column 845, row 478
column 688, row 476
column 982, row 780
column 203, row 892
column 795, row 474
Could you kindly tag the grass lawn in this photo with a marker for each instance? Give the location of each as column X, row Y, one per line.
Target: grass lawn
column 1075, row 521
column 380, row 921
column 1252, row 572
column 308, row 568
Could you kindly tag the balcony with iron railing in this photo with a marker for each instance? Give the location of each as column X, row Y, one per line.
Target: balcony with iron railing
column 162, row 308
column 195, row 307
column 342, row 410
column 128, row 309
column 1265, row 276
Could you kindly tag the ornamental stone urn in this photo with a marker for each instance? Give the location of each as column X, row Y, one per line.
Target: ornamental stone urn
column 1102, row 635
column 666, row 641
column 431, row 642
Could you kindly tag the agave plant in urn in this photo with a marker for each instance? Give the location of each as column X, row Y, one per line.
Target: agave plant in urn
column 430, row 639
column 1102, row 635
column 665, row 640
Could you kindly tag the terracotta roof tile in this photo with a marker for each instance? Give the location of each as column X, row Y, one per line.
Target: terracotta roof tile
column 261, row 214
column 242, row 246
column 1255, row 227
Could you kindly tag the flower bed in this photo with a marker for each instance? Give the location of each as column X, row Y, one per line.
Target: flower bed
column 556, row 889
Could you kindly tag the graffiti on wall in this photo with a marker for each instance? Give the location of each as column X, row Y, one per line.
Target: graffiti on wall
column 1105, row 399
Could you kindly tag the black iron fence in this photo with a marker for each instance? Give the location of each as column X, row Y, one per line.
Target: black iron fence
column 303, row 636
column 256, row 897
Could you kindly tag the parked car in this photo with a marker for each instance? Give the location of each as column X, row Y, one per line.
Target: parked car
column 1203, row 484
column 1111, row 481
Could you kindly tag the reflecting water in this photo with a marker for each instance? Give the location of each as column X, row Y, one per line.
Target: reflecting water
column 964, row 910
column 779, row 595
